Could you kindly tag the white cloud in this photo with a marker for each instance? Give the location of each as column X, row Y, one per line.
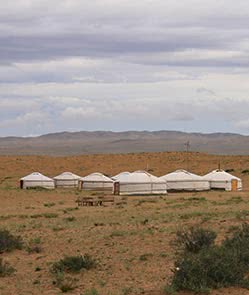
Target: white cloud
column 123, row 64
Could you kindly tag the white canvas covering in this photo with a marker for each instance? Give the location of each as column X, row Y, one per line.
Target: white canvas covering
column 36, row 179
column 220, row 179
column 140, row 182
column 66, row 179
column 186, row 181
column 97, row 181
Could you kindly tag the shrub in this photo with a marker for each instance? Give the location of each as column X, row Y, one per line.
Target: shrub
column 246, row 171
column 65, row 284
column 195, row 239
column 9, row 242
column 73, row 264
column 49, row 204
column 210, row 268
column 50, row 215
column 238, row 243
column 145, row 257
column 5, row 268
column 214, row 266
column 91, row 292
column 169, row 290
column 70, row 219
column 34, row 246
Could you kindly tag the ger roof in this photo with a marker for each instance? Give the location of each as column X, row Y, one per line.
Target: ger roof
column 220, row 175
column 122, row 175
column 98, row 177
column 139, row 176
column 67, row 176
column 36, row 176
column 181, row 175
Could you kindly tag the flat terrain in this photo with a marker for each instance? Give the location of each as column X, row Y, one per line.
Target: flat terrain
column 132, row 244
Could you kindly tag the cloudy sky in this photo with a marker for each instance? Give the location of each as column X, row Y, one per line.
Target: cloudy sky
column 124, row 65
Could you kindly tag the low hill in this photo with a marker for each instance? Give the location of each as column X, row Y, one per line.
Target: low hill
column 84, row 142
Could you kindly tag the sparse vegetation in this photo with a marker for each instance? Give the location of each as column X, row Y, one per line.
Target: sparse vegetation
column 70, row 219
column 91, row 292
column 65, row 283
column 211, row 266
column 123, row 239
column 145, row 257
column 34, row 246
column 5, row 268
column 9, row 242
column 194, row 239
column 73, row 264
column 50, row 215
column 49, row 204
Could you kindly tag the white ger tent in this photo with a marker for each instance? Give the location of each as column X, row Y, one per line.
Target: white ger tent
column 36, row 179
column 139, row 182
column 66, row 179
column 186, row 181
column 220, row 179
column 96, row 181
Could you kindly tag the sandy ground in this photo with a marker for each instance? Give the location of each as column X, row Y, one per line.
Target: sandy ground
column 132, row 244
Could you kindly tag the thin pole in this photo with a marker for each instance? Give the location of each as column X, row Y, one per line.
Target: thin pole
column 187, row 144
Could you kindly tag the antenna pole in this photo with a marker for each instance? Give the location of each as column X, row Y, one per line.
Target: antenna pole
column 187, row 144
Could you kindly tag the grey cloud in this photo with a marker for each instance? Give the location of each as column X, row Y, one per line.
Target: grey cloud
column 205, row 91
column 123, row 64
column 123, row 28
column 69, row 113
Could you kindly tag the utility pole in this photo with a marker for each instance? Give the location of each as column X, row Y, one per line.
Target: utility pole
column 187, row 145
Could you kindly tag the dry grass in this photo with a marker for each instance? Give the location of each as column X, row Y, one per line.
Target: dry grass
column 132, row 245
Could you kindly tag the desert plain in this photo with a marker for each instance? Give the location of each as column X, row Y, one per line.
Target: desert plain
column 132, row 244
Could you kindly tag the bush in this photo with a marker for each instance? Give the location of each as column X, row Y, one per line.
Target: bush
column 91, row 292
column 239, row 244
column 5, row 268
column 145, row 257
column 34, row 246
column 195, row 239
column 73, row 264
column 49, row 204
column 65, row 284
column 210, row 268
column 70, row 219
column 9, row 242
column 214, row 266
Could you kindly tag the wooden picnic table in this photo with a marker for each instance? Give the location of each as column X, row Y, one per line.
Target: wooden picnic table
column 100, row 201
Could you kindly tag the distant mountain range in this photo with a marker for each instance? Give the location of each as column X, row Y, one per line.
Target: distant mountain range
column 84, row 142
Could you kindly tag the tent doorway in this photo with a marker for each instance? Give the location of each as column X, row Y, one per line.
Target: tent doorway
column 234, row 185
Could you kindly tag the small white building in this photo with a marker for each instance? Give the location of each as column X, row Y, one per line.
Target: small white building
column 96, row 181
column 219, row 179
column 182, row 180
column 139, row 183
column 35, row 180
column 66, row 180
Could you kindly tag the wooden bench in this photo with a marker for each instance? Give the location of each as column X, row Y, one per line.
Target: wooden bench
column 89, row 201
column 101, row 201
